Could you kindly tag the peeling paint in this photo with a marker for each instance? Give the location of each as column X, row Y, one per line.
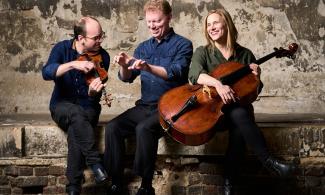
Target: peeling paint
column 29, row 29
column 29, row 64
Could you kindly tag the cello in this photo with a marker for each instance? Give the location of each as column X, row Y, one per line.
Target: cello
column 98, row 71
column 191, row 113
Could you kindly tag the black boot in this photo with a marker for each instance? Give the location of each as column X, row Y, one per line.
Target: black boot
column 279, row 168
column 114, row 190
column 72, row 192
column 99, row 173
column 227, row 187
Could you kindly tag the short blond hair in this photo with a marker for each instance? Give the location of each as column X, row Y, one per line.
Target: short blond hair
column 161, row 5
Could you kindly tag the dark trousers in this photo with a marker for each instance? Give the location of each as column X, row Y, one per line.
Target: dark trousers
column 143, row 122
column 79, row 123
column 242, row 131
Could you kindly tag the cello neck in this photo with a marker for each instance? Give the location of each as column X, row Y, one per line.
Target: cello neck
column 278, row 52
column 266, row 58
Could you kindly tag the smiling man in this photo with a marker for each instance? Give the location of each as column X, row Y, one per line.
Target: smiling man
column 74, row 105
column 162, row 63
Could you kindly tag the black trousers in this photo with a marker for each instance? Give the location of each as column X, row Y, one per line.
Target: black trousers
column 79, row 123
column 143, row 122
column 242, row 131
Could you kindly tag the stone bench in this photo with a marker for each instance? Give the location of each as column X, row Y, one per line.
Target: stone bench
column 38, row 135
column 33, row 158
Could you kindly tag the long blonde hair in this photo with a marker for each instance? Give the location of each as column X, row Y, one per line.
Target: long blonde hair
column 232, row 32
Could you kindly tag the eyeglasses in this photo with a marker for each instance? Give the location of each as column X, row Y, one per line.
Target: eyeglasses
column 99, row 37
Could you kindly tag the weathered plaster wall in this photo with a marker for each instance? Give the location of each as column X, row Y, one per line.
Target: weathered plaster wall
column 30, row 28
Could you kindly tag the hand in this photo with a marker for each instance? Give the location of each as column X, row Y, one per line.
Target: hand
column 139, row 65
column 122, row 59
column 255, row 69
column 95, row 86
column 226, row 93
column 84, row 66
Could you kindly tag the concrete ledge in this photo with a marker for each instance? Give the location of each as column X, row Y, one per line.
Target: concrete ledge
column 286, row 135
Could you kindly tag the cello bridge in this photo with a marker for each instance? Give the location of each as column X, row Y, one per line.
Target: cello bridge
column 207, row 90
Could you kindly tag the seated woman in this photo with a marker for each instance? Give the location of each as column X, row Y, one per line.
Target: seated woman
column 221, row 35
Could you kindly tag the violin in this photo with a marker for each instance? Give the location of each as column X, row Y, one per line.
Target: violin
column 191, row 114
column 97, row 71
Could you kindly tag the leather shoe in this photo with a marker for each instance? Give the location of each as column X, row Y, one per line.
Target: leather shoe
column 279, row 168
column 73, row 192
column 114, row 190
column 227, row 187
column 99, row 173
column 146, row 191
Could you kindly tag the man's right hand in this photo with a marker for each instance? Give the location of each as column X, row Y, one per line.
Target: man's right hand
column 122, row 59
column 84, row 66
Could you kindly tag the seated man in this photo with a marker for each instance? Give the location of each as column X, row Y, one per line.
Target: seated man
column 74, row 105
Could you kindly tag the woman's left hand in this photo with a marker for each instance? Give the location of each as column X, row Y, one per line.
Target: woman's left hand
column 255, row 69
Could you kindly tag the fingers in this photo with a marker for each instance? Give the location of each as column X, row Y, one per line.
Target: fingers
column 86, row 66
column 227, row 94
column 138, row 64
column 96, row 85
column 256, row 70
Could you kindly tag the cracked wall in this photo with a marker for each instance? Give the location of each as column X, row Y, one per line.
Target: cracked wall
column 30, row 28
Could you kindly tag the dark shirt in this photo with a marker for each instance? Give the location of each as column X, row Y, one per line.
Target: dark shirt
column 206, row 59
column 173, row 53
column 72, row 85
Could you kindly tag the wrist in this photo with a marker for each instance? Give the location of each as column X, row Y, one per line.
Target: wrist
column 217, row 82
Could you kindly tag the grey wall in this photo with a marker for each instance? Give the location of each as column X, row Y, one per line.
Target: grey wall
column 30, row 28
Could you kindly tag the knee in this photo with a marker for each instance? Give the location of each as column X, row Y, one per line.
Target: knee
column 78, row 114
column 141, row 130
column 238, row 113
column 112, row 129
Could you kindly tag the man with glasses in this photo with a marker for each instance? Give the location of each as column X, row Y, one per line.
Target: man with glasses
column 74, row 105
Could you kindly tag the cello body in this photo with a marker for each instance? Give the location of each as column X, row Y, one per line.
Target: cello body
column 190, row 114
column 198, row 125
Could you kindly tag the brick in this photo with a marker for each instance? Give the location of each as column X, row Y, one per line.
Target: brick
column 323, row 181
column 54, row 190
column 25, row 171
column 195, row 190
column 210, row 168
column 4, row 180
column 11, row 170
column 212, row 179
column 41, row 171
column 312, row 181
column 194, row 178
column 318, row 190
column 176, row 190
column 51, row 180
column 62, row 180
column 56, row 170
column 211, row 189
column 314, row 171
column 32, row 181
column 17, row 191
column 5, row 190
